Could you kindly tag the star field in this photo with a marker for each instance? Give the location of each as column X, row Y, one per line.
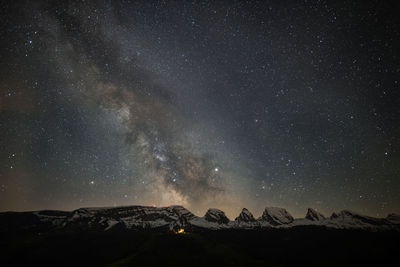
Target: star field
column 204, row 104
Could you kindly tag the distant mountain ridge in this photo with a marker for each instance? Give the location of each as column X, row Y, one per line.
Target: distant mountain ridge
column 176, row 217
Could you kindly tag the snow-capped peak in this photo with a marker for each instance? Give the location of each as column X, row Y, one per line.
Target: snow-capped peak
column 350, row 219
column 276, row 216
column 216, row 216
column 245, row 216
column 314, row 215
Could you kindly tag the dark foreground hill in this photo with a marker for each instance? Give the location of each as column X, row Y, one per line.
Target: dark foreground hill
column 300, row 246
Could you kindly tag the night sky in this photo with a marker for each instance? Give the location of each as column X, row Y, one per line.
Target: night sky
column 224, row 104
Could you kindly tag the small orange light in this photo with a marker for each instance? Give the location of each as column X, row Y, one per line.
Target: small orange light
column 180, row 231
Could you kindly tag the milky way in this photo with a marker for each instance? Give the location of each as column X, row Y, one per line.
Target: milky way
column 202, row 104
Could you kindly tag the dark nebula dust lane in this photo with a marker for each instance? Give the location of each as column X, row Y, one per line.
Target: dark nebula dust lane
column 202, row 104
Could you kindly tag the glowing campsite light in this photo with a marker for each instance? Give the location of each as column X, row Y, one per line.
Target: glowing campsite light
column 180, row 231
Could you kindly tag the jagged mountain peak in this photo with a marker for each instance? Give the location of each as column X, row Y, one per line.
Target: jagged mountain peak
column 245, row 216
column 351, row 219
column 314, row 215
column 276, row 216
column 346, row 214
column 216, row 216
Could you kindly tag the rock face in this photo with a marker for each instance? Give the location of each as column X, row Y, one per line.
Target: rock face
column 276, row 216
column 245, row 217
column 216, row 216
column 314, row 215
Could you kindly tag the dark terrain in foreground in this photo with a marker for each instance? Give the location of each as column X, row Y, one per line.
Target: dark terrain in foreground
column 302, row 245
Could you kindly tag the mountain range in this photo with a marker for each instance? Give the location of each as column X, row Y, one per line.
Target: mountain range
column 178, row 217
